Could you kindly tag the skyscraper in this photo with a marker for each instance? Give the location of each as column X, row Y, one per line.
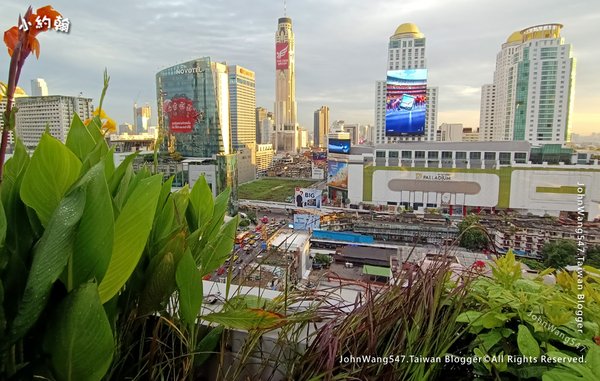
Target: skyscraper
column 141, row 118
column 533, row 85
column 264, row 126
column 242, row 106
column 321, row 126
column 193, row 107
column 39, row 88
column 286, row 123
column 406, row 50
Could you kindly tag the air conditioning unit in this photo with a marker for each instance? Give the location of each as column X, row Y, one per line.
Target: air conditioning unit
column 349, row 265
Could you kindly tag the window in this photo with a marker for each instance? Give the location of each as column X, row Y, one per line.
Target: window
column 475, row 155
column 419, row 154
column 393, row 154
column 407, row 154
column 461, row 155
column 447, row 155
column 432, row 154
column 489, row 156
column 504, row 157
column 379, row 153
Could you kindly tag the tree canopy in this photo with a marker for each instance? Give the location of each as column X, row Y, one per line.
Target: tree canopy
column 560, row 253
column 472, row 235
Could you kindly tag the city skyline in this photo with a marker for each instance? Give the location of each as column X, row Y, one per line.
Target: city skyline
column 339, row 59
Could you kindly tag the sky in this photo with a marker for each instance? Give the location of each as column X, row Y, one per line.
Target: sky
column 341, row 49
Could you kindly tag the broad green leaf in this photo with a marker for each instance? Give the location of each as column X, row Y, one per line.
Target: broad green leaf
column 79, row 139
column 132, row 229
column 181, row 199
column 51, row 172
column 164, row 220
column 3, row 228
column 247, row 319
column 159, row 283
column 79, row 338
column 219, row 249
column 528, row 345
column 592, row 360
column 468, row 317
column 200, row 237
column 19, row 237
column 94, row 241
column 189, row 282
column 208, row 345
column 488, row 340
column 165, row 191
column 97, row 155
column 560, row 375
column 575, row 368
column 201, row 204
column 120, row 196
column 116, row 179
column 49, row 260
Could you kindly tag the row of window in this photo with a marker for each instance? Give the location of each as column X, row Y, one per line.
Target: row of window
column 458, row 155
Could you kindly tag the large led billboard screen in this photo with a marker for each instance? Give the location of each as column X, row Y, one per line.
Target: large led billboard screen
column 338, row 146
column 406, row 102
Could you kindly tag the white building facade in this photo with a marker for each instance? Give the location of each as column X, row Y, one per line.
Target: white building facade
column 55, row 111
column 534, row 85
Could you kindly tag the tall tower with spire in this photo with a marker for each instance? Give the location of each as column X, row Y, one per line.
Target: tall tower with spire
column 286, row 123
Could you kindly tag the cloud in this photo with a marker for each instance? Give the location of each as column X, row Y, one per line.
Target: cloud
column 341, row 48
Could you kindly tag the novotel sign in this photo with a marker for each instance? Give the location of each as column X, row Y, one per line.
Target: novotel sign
column 184, row 70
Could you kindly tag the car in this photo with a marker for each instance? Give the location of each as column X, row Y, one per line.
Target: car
column 221, row 271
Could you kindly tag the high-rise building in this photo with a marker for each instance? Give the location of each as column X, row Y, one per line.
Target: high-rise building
column 406, row 50
column 125, row 128
column 141, row 118
column 54, row 112
column 286, row 123
column 242, row 106
column 533, row 88
column 260, row 115
column 321, row 127
column 486, row 113
column 39, row 88
column 193, row 107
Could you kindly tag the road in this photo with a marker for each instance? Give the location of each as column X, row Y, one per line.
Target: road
column 245, row 257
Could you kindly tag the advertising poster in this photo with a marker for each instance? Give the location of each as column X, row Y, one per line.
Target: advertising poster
column 307, row 197
column 406, row 102
column 319, row 164
column 307, row 222
column 282, row 55
column 337, row 174
column 180, row 113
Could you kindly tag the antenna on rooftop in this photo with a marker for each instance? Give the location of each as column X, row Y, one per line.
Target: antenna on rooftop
column 284, row 8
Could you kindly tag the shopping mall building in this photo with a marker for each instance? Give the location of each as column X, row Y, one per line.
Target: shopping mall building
column 457, row 177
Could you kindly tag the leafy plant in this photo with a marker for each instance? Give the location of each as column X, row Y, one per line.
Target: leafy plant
column 513, row 317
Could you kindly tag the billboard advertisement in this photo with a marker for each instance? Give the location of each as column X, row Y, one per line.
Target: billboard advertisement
column 406, row 102
column 319, row 164
column 337, row 174
column 319, row 156
column 282, row 55
column 180, row 114
column 307, row 222
column 338, row 146
column 317, row 173
column 307, row 197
